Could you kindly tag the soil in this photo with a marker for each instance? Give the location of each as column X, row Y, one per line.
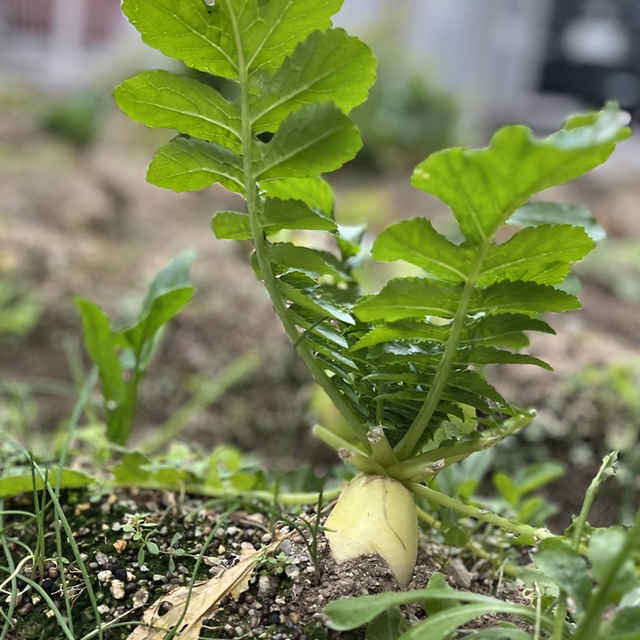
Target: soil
column 282, row 597
column 81, row 221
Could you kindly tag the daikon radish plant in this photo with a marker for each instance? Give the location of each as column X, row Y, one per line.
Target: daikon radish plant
column 404, row 366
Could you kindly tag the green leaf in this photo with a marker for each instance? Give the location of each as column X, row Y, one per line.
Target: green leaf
column 231, row 225
column 270, row 30
column 351, row 613
column 164, row 308
column 152, row 547
column 315, row 139
column 328, row 66
column 204, row 36
column 624, row 625
column 567, row 568
column 535, row 247
column 389, row 625
column 490, row 355
column 163, row 99
column 136, row 470
column 174, row 275
column 313, row 302
column 446, row 622
column 188, row 164
column 506, row 329
column 314, row 192
column 293, row 214
column 404, row 298
column 405, row 329
column 310, row 261
column 417, row 242
column 187, row 30
column 502, row 631
column 521, row 297
column 604, row 546
column 11, row 486
column 533, row 214
column 101, row 345
column 484, row 187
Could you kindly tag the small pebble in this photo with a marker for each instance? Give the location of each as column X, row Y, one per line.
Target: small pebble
column 140, row 598
column 286, row 546
column 264, row 585
column 101, row 558
column 104, row 576
column 117, row 589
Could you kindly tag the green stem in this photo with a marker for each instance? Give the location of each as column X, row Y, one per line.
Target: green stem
column 603, row 473
column 560, row 616
column 262, row 253
column 289, row 499
column 480, row 514
column 405, row 448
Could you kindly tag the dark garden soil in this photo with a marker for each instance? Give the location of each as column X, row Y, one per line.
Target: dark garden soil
column 281, row 597
column 83, row 222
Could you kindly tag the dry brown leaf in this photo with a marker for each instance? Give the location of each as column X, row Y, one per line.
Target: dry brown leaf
column 205, row 597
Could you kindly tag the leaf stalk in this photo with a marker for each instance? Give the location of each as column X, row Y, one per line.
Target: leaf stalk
column 261, row 248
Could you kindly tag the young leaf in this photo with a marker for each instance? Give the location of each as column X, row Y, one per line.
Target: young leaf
column 165, row 307
column 101, row 345
column 567, row 568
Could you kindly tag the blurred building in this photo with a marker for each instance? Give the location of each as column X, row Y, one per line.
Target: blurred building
column 593, row 51
column 58, row 44
column 498, row 57
column 505, row 60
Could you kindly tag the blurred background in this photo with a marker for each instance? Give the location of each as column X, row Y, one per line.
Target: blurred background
column 78, row 219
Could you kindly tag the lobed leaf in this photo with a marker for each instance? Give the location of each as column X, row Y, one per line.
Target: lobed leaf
column 484, row 187
column 532, row 248
column 417, row 242
column 328, row 66
column 187, row 30
column 221, row 38
column 403, row 298
column 311, row 300
column 315, row 139
column 521, row 297
column 314, row 192
column 167, row 100
column 269, row 31
column 532, row 214
column 310, row 261
column 189, row 164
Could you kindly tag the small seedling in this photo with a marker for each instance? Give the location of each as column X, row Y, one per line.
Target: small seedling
column 122, row 357
column 404, row 366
